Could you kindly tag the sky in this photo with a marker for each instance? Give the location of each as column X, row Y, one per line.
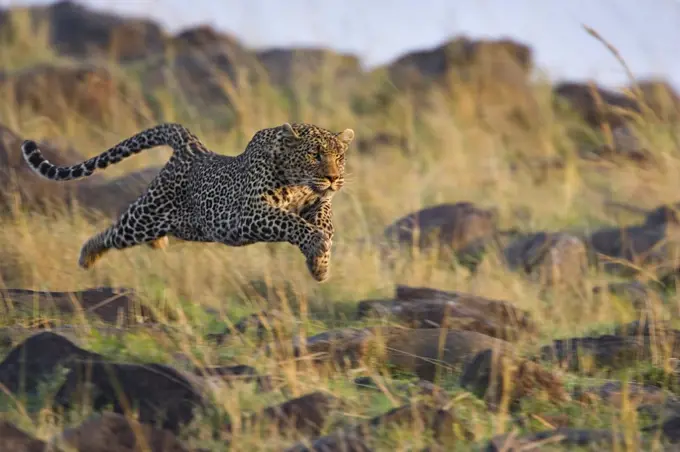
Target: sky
column 646, row 32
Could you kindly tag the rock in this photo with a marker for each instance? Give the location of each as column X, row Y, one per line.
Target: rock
column 339, row 442
column 287, row 67
column 162, row 394
column 440, row 422
column 663, row 214
column 109, row 432
column 562, row 436
column 345, row 347
column 12, row 439
column 40, row 195
column 489, row 373
column 36, row 359
column 669, row 428
column 94, row 194
column 492, row 74
column 549, row 258
column 595, row 105
column 613, row 393
column 420, row 307
column 463, row 228
column 425, row 352
column 607, row 351
column 113, row 197
column 640, row 245
column 59, row 91
column 306, row 415
column 220, row 64
column 81, row 32
column 111, row 305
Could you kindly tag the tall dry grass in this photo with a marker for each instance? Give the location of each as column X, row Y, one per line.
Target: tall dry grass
column 453, row 156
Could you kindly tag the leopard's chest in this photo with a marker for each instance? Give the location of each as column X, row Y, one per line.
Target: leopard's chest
column 291, row 199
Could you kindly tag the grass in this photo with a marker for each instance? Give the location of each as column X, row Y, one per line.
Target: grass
column 453, row 156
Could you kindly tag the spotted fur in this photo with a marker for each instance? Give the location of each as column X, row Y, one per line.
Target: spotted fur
column 278, row 190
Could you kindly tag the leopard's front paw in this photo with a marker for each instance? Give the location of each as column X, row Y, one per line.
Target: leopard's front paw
column 319, row 257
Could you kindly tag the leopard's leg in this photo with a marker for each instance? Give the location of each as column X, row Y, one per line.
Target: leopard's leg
column 139, row 224
column 284, row 226
column 320, row 214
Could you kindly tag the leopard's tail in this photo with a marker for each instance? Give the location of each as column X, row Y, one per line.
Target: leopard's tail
column 179, row 138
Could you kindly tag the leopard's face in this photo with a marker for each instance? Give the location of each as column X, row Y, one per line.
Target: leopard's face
column 313, row 157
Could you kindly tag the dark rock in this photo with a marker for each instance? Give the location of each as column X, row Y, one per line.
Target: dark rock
column 203, row 37
column 109, row 432
column 288, row 67
column 594, row 104
column 427, row 352
column 669, row 428
column 493, row 75
column 339, row 442
column 113, row 197
column 489, row 374
column 221, row 65
column 440, row 422
column 549, row 258
column 459, row 53
column 561, row 436
column 306, row 415
column 423, row 352
column 625, row 250
column 81, row 32
column 59, row 91
column 111, row 305
column 40, row 195
column 13, row 439
column 36, row 359
column 613, row 393
column 345, row 347
column 463, row 228
column 420, row 307
column 665, row 213
column 163, row 395
column 590, row 353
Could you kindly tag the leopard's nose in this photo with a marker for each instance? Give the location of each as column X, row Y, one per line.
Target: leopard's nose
column 332, row 178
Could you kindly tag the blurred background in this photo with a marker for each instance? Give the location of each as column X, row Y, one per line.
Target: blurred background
column 512, row 153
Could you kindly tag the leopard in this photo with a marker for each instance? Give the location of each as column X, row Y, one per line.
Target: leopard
column 279, row 189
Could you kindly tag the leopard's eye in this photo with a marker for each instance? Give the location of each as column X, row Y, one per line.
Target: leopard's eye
column 318, row 156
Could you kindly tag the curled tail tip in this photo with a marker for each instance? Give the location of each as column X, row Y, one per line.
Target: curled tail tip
column 29, row 147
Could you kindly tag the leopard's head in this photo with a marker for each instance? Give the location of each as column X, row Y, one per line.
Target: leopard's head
column 311, row 156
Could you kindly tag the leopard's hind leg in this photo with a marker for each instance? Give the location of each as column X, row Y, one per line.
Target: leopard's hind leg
column 139, row 224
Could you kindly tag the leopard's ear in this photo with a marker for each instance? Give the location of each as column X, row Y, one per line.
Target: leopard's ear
column 290, row 137
column 346, row 136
